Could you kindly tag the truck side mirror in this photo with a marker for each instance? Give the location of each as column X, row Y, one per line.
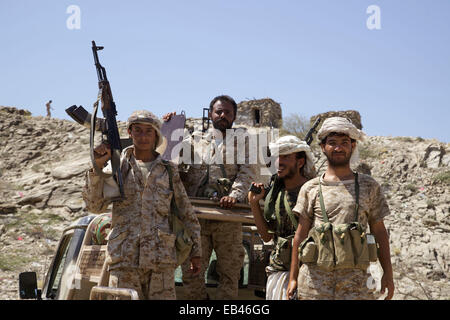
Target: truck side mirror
column 28, row 286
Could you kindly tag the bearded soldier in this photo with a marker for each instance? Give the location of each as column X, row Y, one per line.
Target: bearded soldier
column 141, row 246
column 334, row 211
column 295, row 166
column 213, row 175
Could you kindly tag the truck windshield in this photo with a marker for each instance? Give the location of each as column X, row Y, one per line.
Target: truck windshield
column 58, row 266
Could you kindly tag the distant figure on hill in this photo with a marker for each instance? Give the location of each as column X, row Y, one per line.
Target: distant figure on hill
column 49, row 114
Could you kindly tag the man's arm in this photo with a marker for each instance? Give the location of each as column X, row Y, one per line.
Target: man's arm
column 300, row 234
column 93, row 193
column 382, row 238
column 189, row 218
column 93, row 189
column 260, row 222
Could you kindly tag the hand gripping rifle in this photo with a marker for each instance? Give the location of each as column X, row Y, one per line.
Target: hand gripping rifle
column 107, row 126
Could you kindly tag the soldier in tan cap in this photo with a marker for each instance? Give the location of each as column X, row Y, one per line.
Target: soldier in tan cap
column 295, row 166
column 334, row 210
column 141, row 246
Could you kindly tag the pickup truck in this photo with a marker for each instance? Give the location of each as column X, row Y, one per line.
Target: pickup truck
column 76, row 267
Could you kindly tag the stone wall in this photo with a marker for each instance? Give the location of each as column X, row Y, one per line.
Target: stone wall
column 352, row 115
column 259, row 113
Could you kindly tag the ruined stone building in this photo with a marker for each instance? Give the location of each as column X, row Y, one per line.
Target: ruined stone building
column 259, row 113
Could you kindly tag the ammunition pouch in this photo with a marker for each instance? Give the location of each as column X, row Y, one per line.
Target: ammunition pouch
column 217, row 190
column 224, row 186
column 281, row 254
column 341, row 246
column 183, row 241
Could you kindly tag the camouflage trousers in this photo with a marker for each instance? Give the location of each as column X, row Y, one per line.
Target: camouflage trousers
column 149, row 284
column 226, row 240
column 346, row 284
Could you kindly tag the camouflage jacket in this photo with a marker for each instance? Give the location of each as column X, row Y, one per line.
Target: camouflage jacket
column 206, row 149
column 141, row 234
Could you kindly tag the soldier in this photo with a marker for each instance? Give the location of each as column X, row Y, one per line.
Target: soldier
column 341, row 196
column 214, row 177
column 47, row 105
column 141, row 248
column 295, row 167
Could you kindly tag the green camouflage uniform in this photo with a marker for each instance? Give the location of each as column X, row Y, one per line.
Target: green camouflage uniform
column 285, row 229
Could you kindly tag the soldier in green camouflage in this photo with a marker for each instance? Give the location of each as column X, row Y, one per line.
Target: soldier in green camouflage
column 295, row 166
column 141, row 246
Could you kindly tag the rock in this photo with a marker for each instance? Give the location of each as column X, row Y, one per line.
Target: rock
column 8, row 208
column 352, row 115
column 70, row 169
column 445, row 161
column 436, row 275
column 50, row 183
column 422, row 204
column 32, row 199
column 364, row 168
column 433, row 156
column 35, row 211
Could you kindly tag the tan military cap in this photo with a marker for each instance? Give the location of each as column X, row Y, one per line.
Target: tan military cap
column 146, row 117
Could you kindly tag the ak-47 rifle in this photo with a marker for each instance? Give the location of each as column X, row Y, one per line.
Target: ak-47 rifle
column 107, row 126
column 309, row 135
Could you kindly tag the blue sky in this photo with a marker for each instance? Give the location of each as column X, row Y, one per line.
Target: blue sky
column 311, row 56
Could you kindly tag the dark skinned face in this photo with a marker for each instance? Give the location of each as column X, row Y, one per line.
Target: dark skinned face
column 338, row 150
column 144, row 136
column 222, row 115
column 289, row 165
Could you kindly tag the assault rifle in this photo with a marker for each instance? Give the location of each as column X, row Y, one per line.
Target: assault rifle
column 309, row 135
column 107, row 126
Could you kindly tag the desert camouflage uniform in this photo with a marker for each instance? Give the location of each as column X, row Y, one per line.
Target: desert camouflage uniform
column 339, row 199
column 141, row 244
column 224, row 237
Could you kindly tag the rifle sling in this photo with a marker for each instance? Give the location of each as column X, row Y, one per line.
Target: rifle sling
column 282, row 197
column 322, row 205
column 97, row 170
column 115, row 154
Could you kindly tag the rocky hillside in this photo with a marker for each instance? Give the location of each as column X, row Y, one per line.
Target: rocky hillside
column 41, row 172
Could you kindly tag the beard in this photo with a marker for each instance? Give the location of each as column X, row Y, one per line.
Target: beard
column 222, row 124
column 338, row 161
column 292, row 171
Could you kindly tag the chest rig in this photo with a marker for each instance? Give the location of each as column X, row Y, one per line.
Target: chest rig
column 339, row 246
